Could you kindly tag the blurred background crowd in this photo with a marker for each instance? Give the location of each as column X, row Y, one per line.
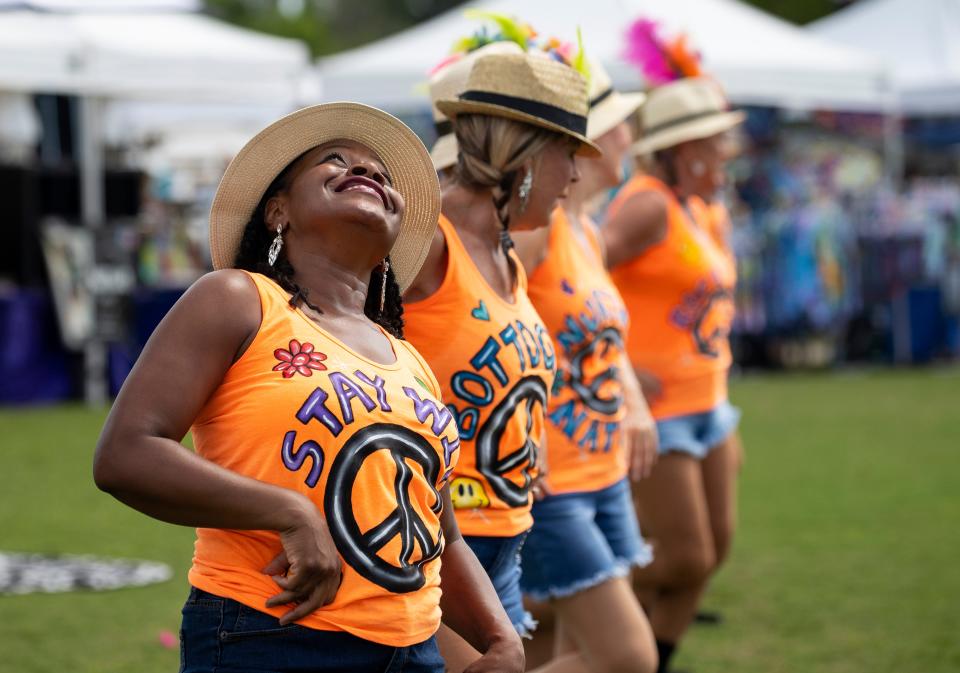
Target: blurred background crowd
column 118, row 118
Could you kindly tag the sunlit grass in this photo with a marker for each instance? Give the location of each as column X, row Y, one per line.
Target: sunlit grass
column 846, row 560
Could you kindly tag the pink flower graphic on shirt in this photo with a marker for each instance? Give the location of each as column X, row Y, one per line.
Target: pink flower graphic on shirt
column 300, row 358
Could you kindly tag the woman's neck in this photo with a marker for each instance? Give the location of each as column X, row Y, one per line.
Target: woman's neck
column 472, row 212
column 334, row 287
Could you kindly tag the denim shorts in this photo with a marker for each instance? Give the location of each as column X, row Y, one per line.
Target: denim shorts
column 500, row 557
column 697, row 434
column 220, row 635
column 580, row 540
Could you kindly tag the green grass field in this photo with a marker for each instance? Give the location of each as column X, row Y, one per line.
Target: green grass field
column 847, row 559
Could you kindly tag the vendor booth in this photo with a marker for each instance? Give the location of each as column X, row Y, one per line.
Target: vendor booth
column 92, row 87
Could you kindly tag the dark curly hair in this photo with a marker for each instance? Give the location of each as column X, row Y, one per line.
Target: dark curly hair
column 252, row 256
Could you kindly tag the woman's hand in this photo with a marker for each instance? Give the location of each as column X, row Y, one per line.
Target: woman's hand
column 638, row 427
column 640, row 436
column 540, row 488
column 501, row 657
column 309, row 569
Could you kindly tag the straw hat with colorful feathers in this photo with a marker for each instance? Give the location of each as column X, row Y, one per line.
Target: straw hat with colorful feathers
column 683, row 104
column 450, row 80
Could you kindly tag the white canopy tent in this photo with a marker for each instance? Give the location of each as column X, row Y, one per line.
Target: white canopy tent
column 147, row 50
column 920, row 41
column 759, row 59
column 147, row 54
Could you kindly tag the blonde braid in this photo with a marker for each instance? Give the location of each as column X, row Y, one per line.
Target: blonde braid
column 492, row 151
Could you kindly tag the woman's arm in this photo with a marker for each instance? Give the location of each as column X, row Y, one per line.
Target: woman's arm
column 470, row 604
column 638, row 225
column 140, row 461
column 431, row 274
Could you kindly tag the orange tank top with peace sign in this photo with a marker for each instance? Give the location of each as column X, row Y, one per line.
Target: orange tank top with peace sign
column 680, row 296
column 371, row 444
column 495, row 363
column 587, row 319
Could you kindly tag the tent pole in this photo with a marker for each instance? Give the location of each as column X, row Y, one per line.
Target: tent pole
column 893, row 150
column 92, row 212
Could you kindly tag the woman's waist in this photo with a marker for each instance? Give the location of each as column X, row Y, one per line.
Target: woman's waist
column 679, row 361
column 231, row 563
column 414, row 617
column 584, row 455
column 695, row 394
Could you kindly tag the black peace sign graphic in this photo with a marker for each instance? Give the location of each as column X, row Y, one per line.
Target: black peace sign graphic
column 707, row 343
column 359, row 548
column 609, row 337
column 529, row 390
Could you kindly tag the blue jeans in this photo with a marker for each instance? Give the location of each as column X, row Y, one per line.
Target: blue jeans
column 697, row 434
column 220, row 635
column 580, row 540
column 500, row 557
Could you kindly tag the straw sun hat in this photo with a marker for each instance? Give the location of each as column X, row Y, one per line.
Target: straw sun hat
column 263, row 158
column 608, row 107
column 529, row 88
column 687, row 109
column 448, row 83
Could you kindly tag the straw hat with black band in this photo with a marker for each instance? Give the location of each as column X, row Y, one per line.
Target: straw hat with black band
column 687, row 109
column 449, row 83
column 263, row 158
column 608, row 107
column 531, row 88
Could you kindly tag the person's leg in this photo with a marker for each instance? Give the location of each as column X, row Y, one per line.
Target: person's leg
column 620, row 642
column 673, row 511
column 562, row 643
column 720, row 469
column 541, row 648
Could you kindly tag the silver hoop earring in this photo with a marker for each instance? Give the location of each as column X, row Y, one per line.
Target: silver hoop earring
column 383, row 285
column 274, row 251
column 526, row 185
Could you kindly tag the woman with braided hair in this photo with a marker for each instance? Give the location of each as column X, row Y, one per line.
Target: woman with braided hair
column 519, row 122
column 320, row 482
column 674, row 276
column 585, row 540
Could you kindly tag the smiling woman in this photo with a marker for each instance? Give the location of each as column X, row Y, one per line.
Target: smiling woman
column 319, row 484
column 347, row 182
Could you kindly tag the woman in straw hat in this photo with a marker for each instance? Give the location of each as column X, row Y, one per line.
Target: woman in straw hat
column 319, row 487
column 518, row 123
column 679, row 284
column 585, row 536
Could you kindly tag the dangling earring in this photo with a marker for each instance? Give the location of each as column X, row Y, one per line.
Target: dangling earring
column 383, row 284
column 274, row 251
column 524, row 190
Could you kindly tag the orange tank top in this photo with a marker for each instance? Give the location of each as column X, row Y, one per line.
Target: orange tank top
column 495, row 363
column 679, row 295
column 714, row 218
column 369, row 443
column 587, row 319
